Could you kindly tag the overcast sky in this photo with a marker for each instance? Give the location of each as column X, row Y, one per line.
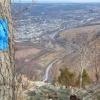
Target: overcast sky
column 58, row 1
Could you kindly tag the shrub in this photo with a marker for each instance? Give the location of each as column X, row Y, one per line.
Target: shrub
column 66, row 77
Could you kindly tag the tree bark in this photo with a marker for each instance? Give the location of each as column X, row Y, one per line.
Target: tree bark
column 7, row 70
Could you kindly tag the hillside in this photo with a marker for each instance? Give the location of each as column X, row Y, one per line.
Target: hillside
column 67, row 48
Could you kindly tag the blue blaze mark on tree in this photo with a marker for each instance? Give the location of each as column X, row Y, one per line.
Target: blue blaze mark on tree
column 3, row 34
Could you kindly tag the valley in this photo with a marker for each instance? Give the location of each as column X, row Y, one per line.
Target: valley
column 52, row 37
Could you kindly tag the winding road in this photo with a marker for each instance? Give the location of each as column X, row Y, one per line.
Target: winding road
column 46, row 75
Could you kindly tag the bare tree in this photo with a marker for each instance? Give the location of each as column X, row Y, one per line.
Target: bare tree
column 96, row 57
column 81, row 44
column 7, row 70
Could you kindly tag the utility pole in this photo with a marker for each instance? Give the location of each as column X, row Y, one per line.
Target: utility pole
column 7, row 70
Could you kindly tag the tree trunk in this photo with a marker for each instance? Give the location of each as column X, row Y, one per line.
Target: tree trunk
column 96, row 67
column 7, row 70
